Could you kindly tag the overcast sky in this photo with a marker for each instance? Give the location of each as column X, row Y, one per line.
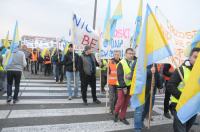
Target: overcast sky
column 52, row 18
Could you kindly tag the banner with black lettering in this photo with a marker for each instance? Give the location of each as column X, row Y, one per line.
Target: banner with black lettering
column 83, row 34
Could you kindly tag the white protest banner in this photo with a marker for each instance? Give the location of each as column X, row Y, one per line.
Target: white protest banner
column 120, row 42
column 179, row 39
column 84, row 34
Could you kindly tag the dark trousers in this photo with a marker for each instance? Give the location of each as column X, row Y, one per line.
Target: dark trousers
column 85, row 81
column 112, row 97
column 167, row 99
column 47, row 69
column 179, row 127
column 27, row 66
column 103, row 79
column 34, row 67
column 59, row 73
column 16, row 76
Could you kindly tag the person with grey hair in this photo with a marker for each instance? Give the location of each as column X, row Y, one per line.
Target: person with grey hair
column 87, row 68
column 14, row 69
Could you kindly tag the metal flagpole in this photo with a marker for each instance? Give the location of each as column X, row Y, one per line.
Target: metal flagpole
column 95, row 12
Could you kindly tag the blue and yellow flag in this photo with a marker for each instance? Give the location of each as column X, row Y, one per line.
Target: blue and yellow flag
column 65, row 50
column 44, row 52
column 153, row 47
column 138, row 26
column 116, row 16
column 106, row 29
column 189, row 102
column 53, row 51
column 6, row 41
column 14, row 45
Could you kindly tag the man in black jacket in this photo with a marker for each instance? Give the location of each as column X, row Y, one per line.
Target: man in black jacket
column 87, row 69
column 124, row 76
column 71, row 68
column 175, row 86
column 167, row 72
column 59, row 67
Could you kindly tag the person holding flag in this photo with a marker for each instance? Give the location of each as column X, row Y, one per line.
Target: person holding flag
column 176, row 86
column 14, row 65
column 69, row 61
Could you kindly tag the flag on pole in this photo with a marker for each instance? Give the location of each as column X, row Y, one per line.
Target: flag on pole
column 189, row 102
column 14, row 45
column 44, row 51
column 65, row 50
column 53, row 51
column 116, row 16
column 153, row 47
column 106, row 29
column 138, row 26
column 6, row 41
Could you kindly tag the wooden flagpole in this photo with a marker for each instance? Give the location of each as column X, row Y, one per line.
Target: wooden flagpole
column 151, row 96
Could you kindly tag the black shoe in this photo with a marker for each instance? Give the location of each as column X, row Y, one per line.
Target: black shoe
column 116, row 117
column 15, row 101
column 125, row 121
column 85, row 103
column 167, row 115
column 97, row 101
column 9, row 99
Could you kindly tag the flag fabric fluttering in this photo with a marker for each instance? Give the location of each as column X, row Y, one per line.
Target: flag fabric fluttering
column 116, row 16
column 6, row 41
column 106, row 29
column 153, row 47
column 14, row 45
column 53, row 51
column 188, row 104
column 44, row 51
column 65, row 50
column 138, row 23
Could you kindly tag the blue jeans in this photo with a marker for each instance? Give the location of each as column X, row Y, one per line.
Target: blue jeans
column 147, row 105
column 70, row 77
column 138, row 122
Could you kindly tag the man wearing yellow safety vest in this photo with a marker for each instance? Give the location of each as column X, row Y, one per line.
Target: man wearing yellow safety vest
column 175, row 86
column 112, row 80
column 2, row 74
column 124, row 82
column 103, row 74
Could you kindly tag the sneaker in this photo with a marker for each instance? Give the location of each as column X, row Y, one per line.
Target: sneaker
column 9, row 99
column 125, row 121
column 167, row 115
column 15, row 101
column 70, row 98
column 111, row 112
column 116, row 117
column 97, row 101
column 85, row 103
column 103, row 91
